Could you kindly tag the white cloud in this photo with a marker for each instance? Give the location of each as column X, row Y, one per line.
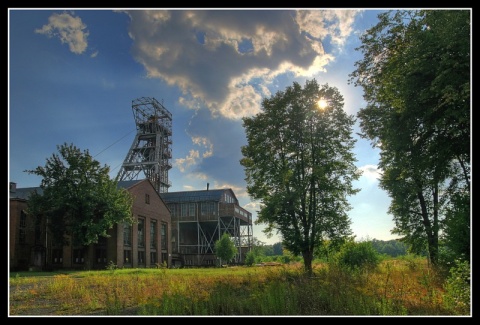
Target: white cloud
column 193, row 157
column 206, row 144
column 184, row 163
column 371, row 172
column 69, row 29
column 225, row 60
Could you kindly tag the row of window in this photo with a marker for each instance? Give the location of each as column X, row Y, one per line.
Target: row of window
column 100, row 256
column 206, row 262
column 127, row 257
column 127, row 234
column 188, row 209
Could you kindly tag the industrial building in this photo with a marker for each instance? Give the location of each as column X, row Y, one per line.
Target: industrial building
column 144, row 243
column 176, row 229
column 199, row 218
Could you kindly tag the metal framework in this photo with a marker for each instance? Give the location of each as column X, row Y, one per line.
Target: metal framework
column 200, row 218
column 151, row 151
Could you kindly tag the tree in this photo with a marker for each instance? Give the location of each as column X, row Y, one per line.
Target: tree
column 277, row 249
column 78, row 197
column 415, row 74
column 299, row 164
column 225, row 248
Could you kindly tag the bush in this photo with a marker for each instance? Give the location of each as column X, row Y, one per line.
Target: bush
column 457, row 289
column 358, row 255
column 250, row 258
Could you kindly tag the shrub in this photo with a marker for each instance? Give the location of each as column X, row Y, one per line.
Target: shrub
column 355, row 255
column 457, row 289
column 250, row 258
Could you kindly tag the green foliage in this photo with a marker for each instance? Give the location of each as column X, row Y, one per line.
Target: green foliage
column 78, row 197
column 250, row 258
column 415, row 73
column 458, row 288
column 277, row 249
column 299, row 164
column 225, row 248
column 391, row 248
column 358, row 255
column 457, row 226
column 111, row 266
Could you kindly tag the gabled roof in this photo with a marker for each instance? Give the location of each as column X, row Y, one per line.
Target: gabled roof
column 196, row 196
column 128, row 184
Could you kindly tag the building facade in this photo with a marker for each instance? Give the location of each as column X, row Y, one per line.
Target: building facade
column 173, row 229
column 145, row 243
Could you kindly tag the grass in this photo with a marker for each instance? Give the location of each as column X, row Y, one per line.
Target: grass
column 396, row 288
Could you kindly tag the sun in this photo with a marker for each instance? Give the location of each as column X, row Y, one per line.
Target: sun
column 322, row 103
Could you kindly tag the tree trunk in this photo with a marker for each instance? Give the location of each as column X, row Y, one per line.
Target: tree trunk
column 307, row 261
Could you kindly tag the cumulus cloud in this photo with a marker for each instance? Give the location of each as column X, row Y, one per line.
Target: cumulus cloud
column 69, row 29
column 193, row 157
column 371, row 172
column 225, row 60
column 183, row 163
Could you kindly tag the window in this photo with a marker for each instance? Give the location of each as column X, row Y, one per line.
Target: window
column 23, row 219
column 147, row 198
column 164, row 236
column 184, row 209
column 78, row 256
column 172, row 210
column 101, row 255
column 191, row 209
column 153, row 258
column 141, row 232
column 57, row 256
column 127, row 234
column 208, row 208
column 101, row 250
column 141, row 257
column 127, row 256
column 153, row 233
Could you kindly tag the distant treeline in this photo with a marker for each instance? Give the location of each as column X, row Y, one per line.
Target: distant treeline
column 391, row 248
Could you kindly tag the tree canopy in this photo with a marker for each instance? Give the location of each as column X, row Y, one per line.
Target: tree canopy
column 415, row 73
column 78, row 196
column 300, row 166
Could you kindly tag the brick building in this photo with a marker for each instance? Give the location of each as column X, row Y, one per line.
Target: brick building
column 145, row 243
column 175, row 228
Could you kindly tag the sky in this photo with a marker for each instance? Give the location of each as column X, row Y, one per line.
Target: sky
column 74, row 72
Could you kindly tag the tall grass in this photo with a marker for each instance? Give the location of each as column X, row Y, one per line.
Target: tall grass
column 396, row 287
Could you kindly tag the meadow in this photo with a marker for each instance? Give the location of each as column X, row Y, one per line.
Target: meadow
column 404, row 286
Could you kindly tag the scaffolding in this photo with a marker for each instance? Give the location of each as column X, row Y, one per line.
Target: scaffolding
column 150, row 153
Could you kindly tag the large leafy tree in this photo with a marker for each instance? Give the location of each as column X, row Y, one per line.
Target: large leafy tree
column 300, row 166
column 415, row 74
column 78, row 197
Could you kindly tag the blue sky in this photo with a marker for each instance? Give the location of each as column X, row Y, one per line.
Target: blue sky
column 73, row 74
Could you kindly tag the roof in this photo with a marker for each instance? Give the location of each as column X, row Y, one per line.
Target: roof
column 128, row 184
column 196, row 196
column 24, row 193
column 184, row 196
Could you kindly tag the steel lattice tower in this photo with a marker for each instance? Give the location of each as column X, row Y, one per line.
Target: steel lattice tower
column 151, row 151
